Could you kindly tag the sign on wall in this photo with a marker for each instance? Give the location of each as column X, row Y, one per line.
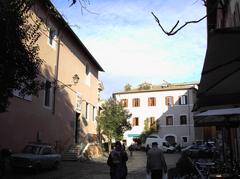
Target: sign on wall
column 78, row 107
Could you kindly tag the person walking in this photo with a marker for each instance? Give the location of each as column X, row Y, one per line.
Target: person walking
column 117, row 161
column 130, row 148
column 156, row 163
column 147, row 148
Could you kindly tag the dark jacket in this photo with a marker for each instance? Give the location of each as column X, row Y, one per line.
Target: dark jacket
column 117, row 161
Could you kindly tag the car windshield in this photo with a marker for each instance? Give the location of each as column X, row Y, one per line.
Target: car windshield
column 31, row 149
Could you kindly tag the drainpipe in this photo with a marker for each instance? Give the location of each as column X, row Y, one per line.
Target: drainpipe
column 189, row 116
column 56, row 74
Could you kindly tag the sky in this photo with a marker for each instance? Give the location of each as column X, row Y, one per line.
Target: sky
column 125, row 39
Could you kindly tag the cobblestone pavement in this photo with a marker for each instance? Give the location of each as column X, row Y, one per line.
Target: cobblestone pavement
column 94, row 169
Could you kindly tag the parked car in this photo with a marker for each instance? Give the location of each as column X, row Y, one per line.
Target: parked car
column 36, row 157
column 200, row 151
column 162, row 144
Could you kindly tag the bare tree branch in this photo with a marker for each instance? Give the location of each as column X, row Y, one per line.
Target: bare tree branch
column 173, row 31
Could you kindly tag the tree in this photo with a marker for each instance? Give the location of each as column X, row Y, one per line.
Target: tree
column 127, row 87
column 145, row 86
column 19, row 61
column 112, row 120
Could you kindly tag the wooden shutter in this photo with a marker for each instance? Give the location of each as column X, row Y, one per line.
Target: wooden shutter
column 166, row 100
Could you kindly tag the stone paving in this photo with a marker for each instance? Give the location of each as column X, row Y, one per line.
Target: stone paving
column 94, row 169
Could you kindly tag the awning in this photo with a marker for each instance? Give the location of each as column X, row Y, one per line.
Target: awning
column 219, row 117
column 219, row 85
column 134, row 135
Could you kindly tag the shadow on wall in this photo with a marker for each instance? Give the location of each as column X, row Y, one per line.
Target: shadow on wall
column 40, row 119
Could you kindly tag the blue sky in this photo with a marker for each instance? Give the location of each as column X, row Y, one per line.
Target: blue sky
column 124, row 38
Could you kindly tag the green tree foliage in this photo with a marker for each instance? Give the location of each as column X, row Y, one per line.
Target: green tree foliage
column 112, row 120
column 127, row 87
column 19, row 61
column 145, row 86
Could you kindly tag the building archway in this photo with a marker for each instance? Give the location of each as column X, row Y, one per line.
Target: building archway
column 171, row 138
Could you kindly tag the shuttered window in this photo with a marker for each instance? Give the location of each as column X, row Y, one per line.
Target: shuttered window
column 135, row 121
column 183, row 100
column 169, row 100
column 136, row 102
column 152, row 101
column 124, row 102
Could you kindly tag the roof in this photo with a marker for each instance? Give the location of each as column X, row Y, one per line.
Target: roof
column 162, row 87
column 218, row 86
column 58, row 17
column 218, row 117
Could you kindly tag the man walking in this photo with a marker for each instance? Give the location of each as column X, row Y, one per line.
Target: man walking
column 117, row 161
column 156, row 163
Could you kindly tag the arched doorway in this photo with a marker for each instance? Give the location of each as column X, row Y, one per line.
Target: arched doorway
column 171, row 139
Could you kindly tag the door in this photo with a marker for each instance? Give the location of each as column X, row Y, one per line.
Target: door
column 77, row 128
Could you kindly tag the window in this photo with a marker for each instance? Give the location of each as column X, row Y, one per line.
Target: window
column 88, row 75
column 183, row 119
column 87, row 111
column 93, row 113
column 124, row 102
column 236, row 16
column 47, row 94
column 51, row 36
column 136, row 102
column 152, row 101
column 169, row 100
column 184, row 139
column 169, row 120
column 135, row 121
column 183, row 100
column 152, row 121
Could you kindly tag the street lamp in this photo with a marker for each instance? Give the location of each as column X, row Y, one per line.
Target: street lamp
column 75, row 81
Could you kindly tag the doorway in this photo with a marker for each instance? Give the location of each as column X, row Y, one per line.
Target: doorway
column 77, row 128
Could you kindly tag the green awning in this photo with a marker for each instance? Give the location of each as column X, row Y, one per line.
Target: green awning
column 134, row 135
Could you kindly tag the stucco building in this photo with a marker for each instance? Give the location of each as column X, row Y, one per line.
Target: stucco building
column 166, row 109
column 63, row 114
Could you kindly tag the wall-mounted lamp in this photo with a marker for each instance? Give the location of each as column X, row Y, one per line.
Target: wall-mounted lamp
column 75, row 81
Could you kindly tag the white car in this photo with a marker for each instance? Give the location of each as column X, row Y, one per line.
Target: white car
column 36, row 157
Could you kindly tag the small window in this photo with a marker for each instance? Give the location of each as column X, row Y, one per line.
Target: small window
column 87, row 110
column 135, row 121
column 183, row 120
column 88, row 75
column 136, row 102
column 169, row 120
column 152, row 101
column 185, row 139
column 169, row 100
column 124, row 102
column 183, row 100
column 51, row 36
column 93, row 113
column 47, row 96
